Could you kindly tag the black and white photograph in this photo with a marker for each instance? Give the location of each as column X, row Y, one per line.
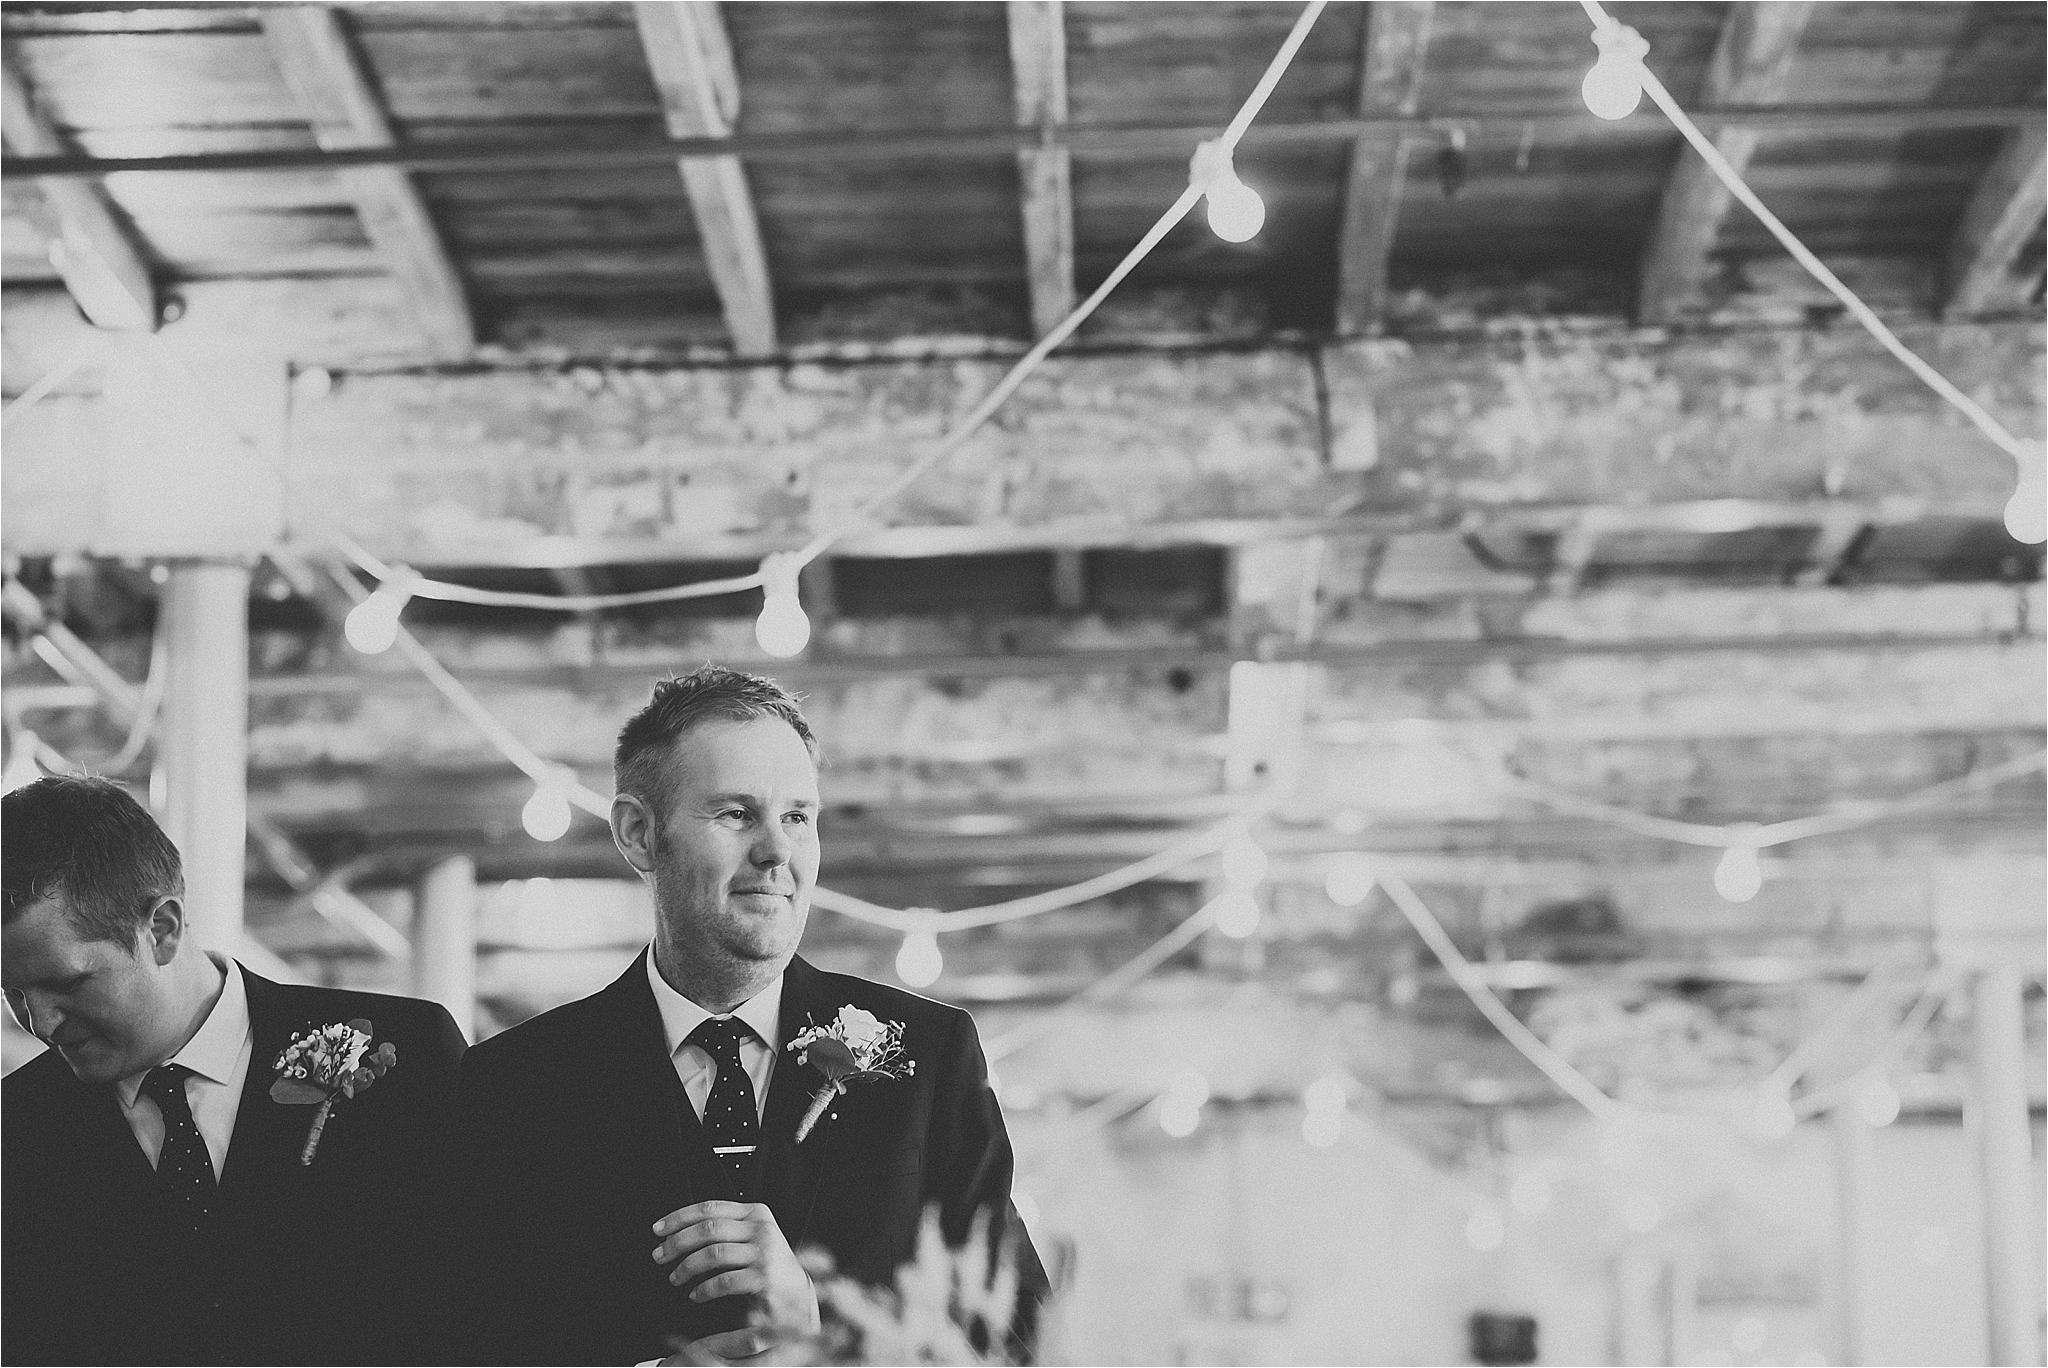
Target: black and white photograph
column 1000, row 682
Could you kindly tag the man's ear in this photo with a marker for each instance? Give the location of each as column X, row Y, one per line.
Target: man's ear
column 165, row 929
column 633, row 831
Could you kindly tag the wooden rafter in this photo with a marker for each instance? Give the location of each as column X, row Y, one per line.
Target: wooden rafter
column 327, row 78
column 2003, row 212
column 691, row 60
column 1038, row 63
column 1389, row 82
column 94, row 251
column 1751, row 66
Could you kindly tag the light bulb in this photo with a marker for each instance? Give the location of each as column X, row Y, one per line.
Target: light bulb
column 1325, row 1094
column 1237, row 913
column 1738, row 876
column 1178, row 1117
column 1485, row 1231
column 2026, row 512
column 1877, row 1101
column 1236, row 213
column 1190, row 1086
column 1614, row 86
column 1242, row 863
column 372, row 625
column 782, row 629
column 1350, row 880
column 546, row 814
column 918, row 962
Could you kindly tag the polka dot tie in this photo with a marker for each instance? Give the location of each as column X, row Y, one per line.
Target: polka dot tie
column 730, row 1118
column 184, row 1170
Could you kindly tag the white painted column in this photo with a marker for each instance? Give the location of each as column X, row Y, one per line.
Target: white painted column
column 1853, row 1141
column 444, row 939
column 203, row 741
column 2012, row 1217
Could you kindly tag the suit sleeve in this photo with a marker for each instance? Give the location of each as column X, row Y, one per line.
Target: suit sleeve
column 416, row 1261
column 970, row 1166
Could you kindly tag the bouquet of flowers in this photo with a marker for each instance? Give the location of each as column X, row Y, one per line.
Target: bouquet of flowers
column 326, row 1063
column 854, row 1045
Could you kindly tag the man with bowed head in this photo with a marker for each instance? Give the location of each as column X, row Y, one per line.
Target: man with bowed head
column 158, row 1206
column 637, row 1184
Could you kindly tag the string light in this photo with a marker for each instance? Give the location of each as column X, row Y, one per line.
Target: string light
column 1877, row 1101
column 1180, row 1106
column 2026, row 512
column 1739, row 875
column 919, row 962
column 546, row 814
column 1237, row 913
column 372, row 625
column 1324, row 1102
column 1614, row 86
column 1242, row 863
column 1350, row 880
column 1236, row 213
column 782, row 629
column 1485, row 1229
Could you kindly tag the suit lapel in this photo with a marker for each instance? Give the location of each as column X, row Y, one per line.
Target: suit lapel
column 789, row 1171
column 268, row 1134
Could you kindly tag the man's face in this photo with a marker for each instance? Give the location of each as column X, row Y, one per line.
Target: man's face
column 737, row 854
column 104, row 1007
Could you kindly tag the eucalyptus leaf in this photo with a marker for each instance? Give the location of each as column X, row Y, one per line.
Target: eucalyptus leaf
column 295, row 1093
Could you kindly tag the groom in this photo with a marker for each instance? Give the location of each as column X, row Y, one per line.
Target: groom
column 636, row 1184
column 156, row 1209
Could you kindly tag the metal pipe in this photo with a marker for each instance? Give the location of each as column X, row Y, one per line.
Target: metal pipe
column 203, row 743
column 2012, row 1213
column 444, row 938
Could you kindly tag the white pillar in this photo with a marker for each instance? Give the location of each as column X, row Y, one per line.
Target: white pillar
column 203, row 741
column 2012, row 1283
column 1853, row 1140
column 444, row 939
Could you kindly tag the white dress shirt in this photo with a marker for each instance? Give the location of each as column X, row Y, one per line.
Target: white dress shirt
column 694, row 1065
column 218, row 1055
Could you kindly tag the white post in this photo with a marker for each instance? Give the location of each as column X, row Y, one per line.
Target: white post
column 1853, row 1141
column 203, row 741
column 444, row 938
column 2012, row 1217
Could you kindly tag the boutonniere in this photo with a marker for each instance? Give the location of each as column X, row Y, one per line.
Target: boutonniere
column 856, row 1044
column 326, row 1063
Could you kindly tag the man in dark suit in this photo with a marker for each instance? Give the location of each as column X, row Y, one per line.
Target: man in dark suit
column 638, row 1188
column 156, row 1209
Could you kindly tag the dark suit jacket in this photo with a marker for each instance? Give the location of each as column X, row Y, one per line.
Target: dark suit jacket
column 319, row 1264
column 578, row 1137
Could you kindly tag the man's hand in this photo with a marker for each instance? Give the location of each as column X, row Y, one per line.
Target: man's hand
column 738, row 1250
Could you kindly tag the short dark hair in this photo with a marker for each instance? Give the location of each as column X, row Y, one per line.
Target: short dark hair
column 710, row 693
column 88, row 839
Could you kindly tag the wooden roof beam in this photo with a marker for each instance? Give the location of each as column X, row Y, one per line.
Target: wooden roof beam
column 95, row 252
column 1038, row 63
column 1389, row 82
column 1751, row 66
column 2003, row 212
column 691, row 60
column 327, row 78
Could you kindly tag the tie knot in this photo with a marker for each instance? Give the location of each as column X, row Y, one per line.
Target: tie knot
column 720, row 1036
column 165, row 1084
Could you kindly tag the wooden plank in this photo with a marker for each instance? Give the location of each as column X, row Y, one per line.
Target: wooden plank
column 1751, row 65
column 1038, row 66
column 1389, row 82
column 691, row 59
column 2003, row 212
column 327, row 78
column 93, row 251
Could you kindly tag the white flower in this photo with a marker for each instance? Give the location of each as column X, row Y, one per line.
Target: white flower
column 860, row 1028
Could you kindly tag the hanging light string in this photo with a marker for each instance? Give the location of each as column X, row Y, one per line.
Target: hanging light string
column 1933, row 996
column 2023, row 452
column 1876, row 984
column 862, row 515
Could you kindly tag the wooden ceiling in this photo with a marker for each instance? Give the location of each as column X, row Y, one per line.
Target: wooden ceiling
column 890, row 169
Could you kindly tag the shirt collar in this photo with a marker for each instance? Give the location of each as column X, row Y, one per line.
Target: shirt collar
column 680, row 1016
column 216, row 1046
